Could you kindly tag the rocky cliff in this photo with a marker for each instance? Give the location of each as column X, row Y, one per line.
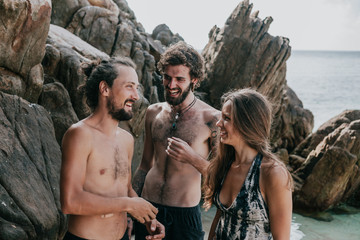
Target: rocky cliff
column 42, row 45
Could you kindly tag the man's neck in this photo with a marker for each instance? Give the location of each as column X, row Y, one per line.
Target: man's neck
column 103, row 122
column 188, row 100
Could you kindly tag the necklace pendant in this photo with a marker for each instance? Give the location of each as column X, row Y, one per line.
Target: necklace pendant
column 173, row 127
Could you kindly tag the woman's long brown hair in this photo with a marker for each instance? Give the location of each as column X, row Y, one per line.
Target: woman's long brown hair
column 252, row 116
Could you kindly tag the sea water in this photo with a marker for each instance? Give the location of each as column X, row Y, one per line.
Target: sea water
column 327, row 83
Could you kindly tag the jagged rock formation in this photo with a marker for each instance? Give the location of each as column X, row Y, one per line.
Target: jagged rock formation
column 330, row 173
column 243, row 54
column 163, row 34
column 30, row 160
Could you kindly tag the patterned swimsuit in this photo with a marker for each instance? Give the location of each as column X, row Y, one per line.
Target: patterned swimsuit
column 248, row 216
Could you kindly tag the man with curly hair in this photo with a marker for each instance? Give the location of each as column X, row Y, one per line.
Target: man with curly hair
column 180, row 134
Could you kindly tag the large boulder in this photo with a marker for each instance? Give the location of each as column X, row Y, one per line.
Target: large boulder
column 25, row 24
column 30, row 161
column 294, row 124
column 311, row 141
column 331, row 172
column 65, row 53
column 64, row 10
column 56, row 100
column 243, row 54
column 96, row 26
column 163, row 34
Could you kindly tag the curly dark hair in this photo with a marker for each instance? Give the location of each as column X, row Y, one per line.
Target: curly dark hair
column 182, row 53
column 101, row 70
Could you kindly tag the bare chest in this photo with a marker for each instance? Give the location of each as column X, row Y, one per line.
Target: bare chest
column 190, row 127
column 108, row 162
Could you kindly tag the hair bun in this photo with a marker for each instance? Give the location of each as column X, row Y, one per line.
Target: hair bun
column 88, row 67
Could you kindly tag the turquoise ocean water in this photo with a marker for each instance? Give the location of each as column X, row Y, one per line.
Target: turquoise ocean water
column 327, row 83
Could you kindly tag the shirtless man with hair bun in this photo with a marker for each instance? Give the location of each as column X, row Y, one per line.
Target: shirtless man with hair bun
column 95, row 188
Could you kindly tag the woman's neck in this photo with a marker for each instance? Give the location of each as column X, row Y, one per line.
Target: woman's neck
column 244, row 154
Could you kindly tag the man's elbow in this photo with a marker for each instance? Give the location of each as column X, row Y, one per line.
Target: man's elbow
column 68, row 205
column 65, row 207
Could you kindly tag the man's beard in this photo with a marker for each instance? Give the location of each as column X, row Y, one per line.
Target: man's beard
column 180, row 99
column 118, row 114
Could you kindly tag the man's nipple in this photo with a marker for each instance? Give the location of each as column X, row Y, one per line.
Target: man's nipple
column 102, row 171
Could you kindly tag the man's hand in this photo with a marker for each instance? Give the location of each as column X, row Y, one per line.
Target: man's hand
column 142, row 210
column 179, row 150
column 156, row 230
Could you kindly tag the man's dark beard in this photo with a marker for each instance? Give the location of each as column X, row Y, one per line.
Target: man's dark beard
column 180, row 99
column 119, row 114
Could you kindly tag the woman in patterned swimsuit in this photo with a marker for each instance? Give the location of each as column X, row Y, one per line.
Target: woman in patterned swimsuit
column 249, row 185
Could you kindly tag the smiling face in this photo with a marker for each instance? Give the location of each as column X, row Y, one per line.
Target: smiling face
column 123, row 94
column 228, row 133
column 177, row 83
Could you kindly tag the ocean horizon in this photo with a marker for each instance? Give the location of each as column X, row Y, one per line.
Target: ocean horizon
column 327, row 82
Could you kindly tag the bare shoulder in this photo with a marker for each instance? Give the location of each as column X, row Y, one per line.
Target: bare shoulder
column 78, row 131
column 155, row 109
column 125, row 137
column 77, row 142
column 210, row 113
column 275, row 174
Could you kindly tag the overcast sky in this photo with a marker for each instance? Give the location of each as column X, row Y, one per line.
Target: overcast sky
column 309, row 24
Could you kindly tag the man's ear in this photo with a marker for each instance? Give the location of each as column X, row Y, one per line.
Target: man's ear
column 194, row 82
column 104, row 88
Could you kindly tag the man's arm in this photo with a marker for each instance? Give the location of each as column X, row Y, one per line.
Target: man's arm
column 76, row 148
column 148, row 155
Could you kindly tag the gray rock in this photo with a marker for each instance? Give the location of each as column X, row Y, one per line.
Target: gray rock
column 56, row 100
column 305, row 147
column 124, row 39
column 64, row 10
column 331, row 172
column 30, row 160
column 96, row 26
column 293, row 125
column 11, row 83
column 163, row 34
